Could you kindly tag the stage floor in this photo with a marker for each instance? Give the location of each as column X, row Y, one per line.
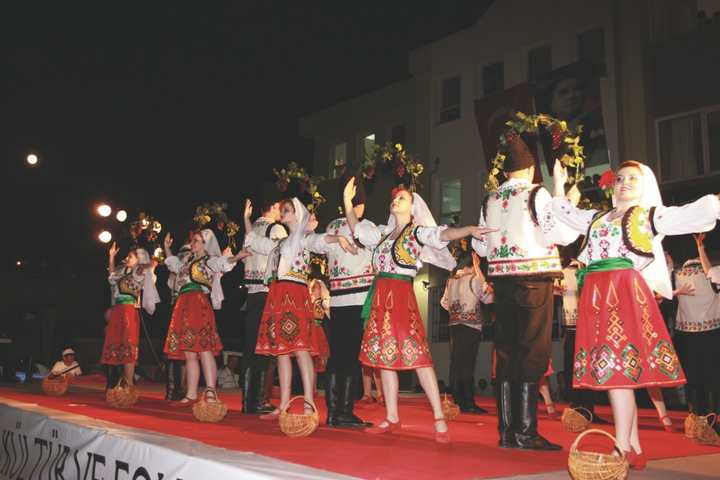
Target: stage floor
column 410, row 453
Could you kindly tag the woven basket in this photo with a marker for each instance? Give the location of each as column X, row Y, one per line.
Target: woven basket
column 450, row 409
column 122, row 395
column 298, row 424
column 56, row 386
column 703, row 432
column 211, row 412
column 594, row 465
column 689, row 423
column 574, row 421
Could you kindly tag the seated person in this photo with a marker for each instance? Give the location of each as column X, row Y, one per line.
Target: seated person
column 226, row 376
column 66, row 363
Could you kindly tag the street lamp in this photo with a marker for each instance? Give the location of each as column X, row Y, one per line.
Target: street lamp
column 32, row 159
column 104, row 210
column 121, row 215
column 105, row 236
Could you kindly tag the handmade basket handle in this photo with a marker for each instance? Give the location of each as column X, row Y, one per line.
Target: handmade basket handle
column 707, row 418
column 300, row 397
column 574, row 445
column 577, row 409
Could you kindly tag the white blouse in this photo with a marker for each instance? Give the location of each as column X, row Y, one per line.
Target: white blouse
column 203, row 271
column 138, row 283
column 400, row 255
column 295, row 269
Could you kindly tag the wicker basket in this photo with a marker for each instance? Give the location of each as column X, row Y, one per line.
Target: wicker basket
column 450, row 409
column 206, row 411
column 56, row 386
column 703, row 432
column 574, row 421
column 689, row 423
column 122, row 395
column 298, row 424
column 595, row 465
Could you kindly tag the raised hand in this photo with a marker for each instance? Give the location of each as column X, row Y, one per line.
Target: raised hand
column 560, row 178
column 168, row 241
column 350, row 190
column 248, row 209
column 574, row 195
column 227, row 252
column 114, row 249
column 347, row 245
column 699, row 239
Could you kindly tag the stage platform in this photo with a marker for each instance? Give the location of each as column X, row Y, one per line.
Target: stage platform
column 79, row 436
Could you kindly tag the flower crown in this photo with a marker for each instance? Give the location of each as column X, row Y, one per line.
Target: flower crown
column 607, row 182
column 145, row 233
column 404, row 165
column 560, row 133
column 209, row 213
column 306, row 183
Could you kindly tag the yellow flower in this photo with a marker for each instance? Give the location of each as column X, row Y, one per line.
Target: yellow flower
column 316, row 194
column 494, row 171
column 398, row 146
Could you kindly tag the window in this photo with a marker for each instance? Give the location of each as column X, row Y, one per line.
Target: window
column 493, row 78
column 689, row 144
column 338, row 160
column 450, row 202
column 369, row 144
column 450, row 100
column 539, row 62
column 397, row 134
column 591, row 48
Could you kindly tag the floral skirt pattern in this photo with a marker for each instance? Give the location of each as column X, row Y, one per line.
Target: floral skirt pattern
column 122, row 336
column 192, row 327
column 622, row 341
column 394, row 337
column 287, row 324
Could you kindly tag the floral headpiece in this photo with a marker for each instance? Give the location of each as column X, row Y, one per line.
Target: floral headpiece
column 214, row 214
column 564, row 140
column 145, row 233
column 306, row 183
column 404, row 165
column 607, row 182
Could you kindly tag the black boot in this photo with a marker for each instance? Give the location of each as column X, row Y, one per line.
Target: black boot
column 467, row 404
column 344, row 416
column 526, row 434
column 331, row 399
column 249, row 394
column 114, row 374
column 173, row 387
column 262, row 389
column 503, row 398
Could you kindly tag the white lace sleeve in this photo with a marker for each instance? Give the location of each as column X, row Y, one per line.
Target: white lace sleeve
column 577, row 219
column 698, row 216
column 430, row 236
column 173, row 264
column 259, row 244
column 480, row 244
column 220, row 264
column 368, row 233
column 315, row 242
column 554, row 232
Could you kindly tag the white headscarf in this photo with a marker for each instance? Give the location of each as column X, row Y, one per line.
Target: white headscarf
column 423, row 217
column 150, row 296
column 656, row 272
column 291, row 246
column 212, row 248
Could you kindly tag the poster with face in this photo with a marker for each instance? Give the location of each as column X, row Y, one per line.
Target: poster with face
column 572, row 93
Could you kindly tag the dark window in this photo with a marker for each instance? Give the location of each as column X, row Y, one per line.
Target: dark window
column 450, row 101
column 397, row 135
column 539, row 62
column 591, row 48
column 493, row 77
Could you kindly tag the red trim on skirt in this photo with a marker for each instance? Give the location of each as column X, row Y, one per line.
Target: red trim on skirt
column 394, row 337
column 122, row 336
column 287, row 324
column 192, row 327
column 621, row 339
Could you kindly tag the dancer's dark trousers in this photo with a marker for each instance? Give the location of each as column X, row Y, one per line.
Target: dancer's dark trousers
column 698, row 356
column 344, row 331
column 464, row 343
column 523, row 327
column 255, row 306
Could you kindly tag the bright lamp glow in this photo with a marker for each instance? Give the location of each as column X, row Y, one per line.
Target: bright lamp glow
column 121, row 215
column 105, row 236
column 104, row 210
column 32, row 159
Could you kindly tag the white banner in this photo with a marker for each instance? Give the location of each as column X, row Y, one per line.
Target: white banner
column 37, row 443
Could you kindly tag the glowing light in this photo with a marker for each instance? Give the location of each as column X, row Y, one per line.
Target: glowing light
column 105, row 236
column 121, row 215
column 32, row 159
column 18, row 263
column 104, row 210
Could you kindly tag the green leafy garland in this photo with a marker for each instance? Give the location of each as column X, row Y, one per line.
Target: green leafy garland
column 306, row 182
column 395, row 156
column 207, row 212
column 145, row 233
column 560, row 133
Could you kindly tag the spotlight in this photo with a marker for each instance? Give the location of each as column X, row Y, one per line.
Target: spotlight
column 105, row 236
column 18, row 263
column 32, row 159
column 104, row 210
column 121, row 215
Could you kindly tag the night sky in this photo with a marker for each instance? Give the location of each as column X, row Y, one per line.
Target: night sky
column 160, row 106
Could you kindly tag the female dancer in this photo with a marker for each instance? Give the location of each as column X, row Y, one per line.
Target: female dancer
column 622, row 342
column 394, row 337
column 192, row 330
column 132, row 285
column 287, row 327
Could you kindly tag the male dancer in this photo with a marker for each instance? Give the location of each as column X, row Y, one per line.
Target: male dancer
column 350, row 278
column 522, row 263
column 254, row 378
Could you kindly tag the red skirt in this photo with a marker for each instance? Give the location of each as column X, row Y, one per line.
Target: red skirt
column 622, row 341
column 323, row 348
column 394, row 337
column 192, row 327
column 122, row 336
column 287, row 323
